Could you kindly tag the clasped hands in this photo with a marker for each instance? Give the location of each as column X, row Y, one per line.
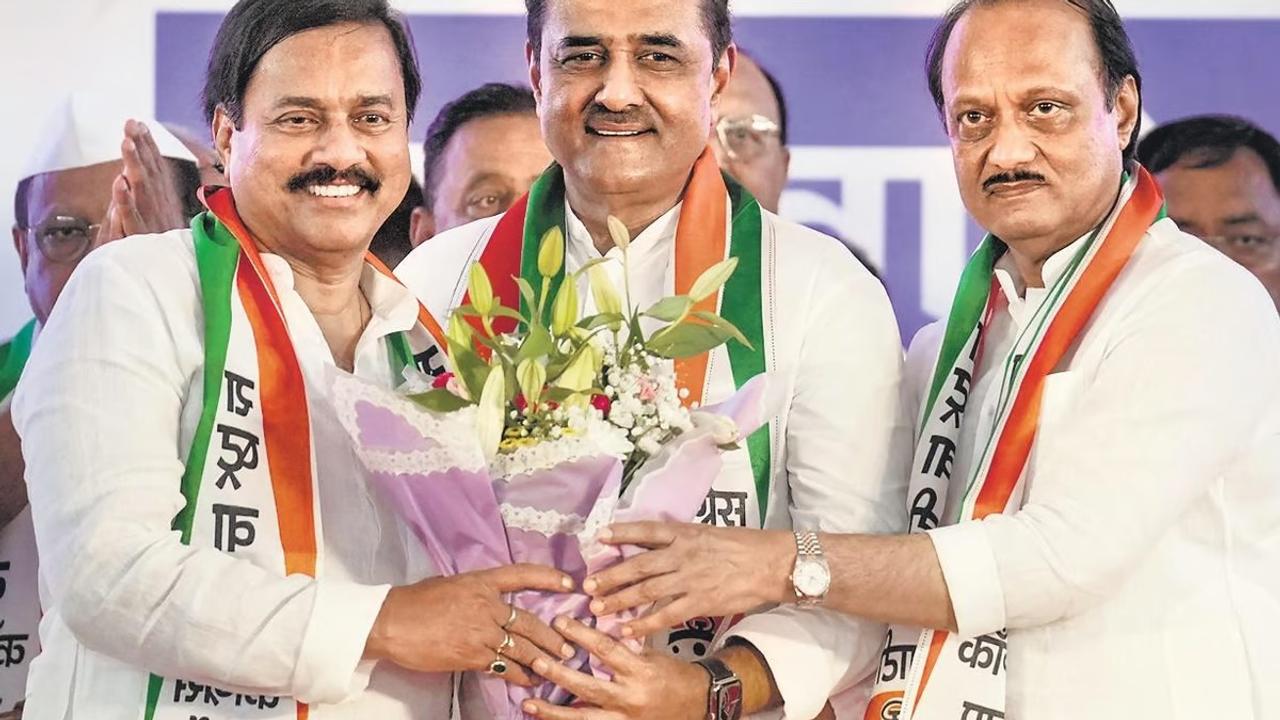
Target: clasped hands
column 460, row 623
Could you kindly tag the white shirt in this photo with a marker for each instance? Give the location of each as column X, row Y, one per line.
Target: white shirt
column 107, row 409
column 19, row 599
column 837, row 357
column 1141, row 578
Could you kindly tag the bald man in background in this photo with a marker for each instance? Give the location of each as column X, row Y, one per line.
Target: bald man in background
column 750, row 135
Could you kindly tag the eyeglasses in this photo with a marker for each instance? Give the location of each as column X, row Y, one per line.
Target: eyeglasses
column 63, row 239
column 1252, row 251
column 745, row 139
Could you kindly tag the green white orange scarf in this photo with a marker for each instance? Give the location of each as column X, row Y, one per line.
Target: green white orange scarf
column 13, row 358
column 250, row 479
column 702, row 239
column 932, row 674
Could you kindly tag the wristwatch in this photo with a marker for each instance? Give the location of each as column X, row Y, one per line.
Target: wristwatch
column 724, row 699
column 811, row 576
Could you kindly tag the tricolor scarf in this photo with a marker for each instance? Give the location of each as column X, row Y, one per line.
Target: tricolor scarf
column 13, row 358
column 718, row 219
column 702, row 240
column 932, row 674
column 250, row 476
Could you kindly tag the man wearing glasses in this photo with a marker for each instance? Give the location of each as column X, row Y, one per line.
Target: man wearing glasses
column 86, row 184
column 751, row 132
column 1221, row 178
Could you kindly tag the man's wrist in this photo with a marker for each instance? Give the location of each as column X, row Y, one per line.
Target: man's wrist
column 723, row 697
column 782, row 563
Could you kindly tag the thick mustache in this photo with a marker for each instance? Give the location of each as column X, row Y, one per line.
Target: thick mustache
column 327, row 175
column 1011, row 177
column 634, row 119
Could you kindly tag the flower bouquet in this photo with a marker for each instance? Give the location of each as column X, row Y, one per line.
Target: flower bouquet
column 539, row 438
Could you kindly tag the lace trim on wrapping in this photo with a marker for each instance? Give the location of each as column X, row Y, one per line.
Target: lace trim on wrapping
column 548, row 454
column 452, row 435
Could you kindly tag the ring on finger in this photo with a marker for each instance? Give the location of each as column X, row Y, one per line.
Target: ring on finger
column 507, row 642
column 511, row 619
column 498, row 666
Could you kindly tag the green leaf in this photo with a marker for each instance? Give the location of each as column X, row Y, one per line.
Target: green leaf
column 712, row 279
column 670, row 309
column 551, row 252
column 686, row 340
column 506, row 312
column 440, row 400
column 526, row 292
column 613, row 320
column 724, row 325
column 460, row 332
column 537, row 343
column 480, row 290
column 470, row 368
column 590, row 264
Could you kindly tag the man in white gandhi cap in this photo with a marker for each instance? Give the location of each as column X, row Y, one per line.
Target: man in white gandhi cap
column 95, row 176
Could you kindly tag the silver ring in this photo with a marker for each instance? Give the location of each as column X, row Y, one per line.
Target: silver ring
column 511, row 619
column 498, row 666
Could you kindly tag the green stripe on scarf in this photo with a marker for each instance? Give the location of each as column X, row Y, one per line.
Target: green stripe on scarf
column 545, row 211
column 13, row 358
column 743, row 306
column 217, row 254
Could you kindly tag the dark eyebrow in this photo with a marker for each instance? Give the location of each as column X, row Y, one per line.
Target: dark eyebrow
column 580, row 41
column 661, row 40
column 1242, row 219
column 298, row 101
column 371, row 100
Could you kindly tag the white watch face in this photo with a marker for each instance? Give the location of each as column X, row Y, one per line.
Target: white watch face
column 811, row 578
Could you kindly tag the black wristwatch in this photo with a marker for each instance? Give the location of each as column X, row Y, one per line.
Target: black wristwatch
column 724, row 699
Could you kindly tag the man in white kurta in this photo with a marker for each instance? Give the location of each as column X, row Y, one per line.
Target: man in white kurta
column 65, row 190
column 1138, row 579
column 98, row 406
column 1094, row 515
column 829, row 338
column 210, row 545
column 835, row 358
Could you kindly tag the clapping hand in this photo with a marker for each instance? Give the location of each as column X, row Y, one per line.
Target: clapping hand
column 144, row 198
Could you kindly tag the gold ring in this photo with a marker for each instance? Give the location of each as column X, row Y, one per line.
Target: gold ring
column 507, row 642
column 511, row 619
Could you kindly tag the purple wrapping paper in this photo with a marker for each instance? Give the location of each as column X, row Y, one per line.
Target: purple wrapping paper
column 431, row 468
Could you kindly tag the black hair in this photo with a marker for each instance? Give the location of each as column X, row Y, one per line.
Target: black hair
column 776, row 88
column 1208, row 141
column 716, row 22
column 392, row 241
column 488, row 100
column 1114, row 48
column 253, row 27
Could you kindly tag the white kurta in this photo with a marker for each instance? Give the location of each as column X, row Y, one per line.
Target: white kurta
column 1140, row 579
column 839, row 460
column 19, row 599
column 107, row 409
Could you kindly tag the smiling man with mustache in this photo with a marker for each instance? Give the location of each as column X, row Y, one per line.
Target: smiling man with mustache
column 1095, row 527
column 210, row 545
column 626, row 94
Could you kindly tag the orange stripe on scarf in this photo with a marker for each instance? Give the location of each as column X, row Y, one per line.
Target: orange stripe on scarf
column 700, row 243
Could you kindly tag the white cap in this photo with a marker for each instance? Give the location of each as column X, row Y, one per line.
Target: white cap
column 87, row 130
